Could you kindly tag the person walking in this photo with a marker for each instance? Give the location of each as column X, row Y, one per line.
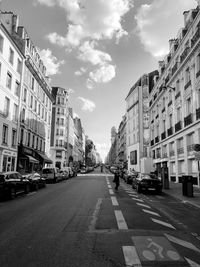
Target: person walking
column 116, row 180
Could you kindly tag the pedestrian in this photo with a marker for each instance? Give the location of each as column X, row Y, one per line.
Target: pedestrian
column 116, row 180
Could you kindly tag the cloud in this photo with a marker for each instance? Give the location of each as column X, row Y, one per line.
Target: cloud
column 80, row 72
column 70, row 91
column 51, row 63
column 75, row 115
column 160, row 21
column 103, row 74
column 94, row 19
column 87, row 105
column 103, row 149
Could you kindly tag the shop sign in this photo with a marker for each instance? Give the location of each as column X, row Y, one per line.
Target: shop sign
column 27, row 151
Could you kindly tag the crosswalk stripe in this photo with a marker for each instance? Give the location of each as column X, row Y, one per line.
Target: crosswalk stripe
column 131, row 257
column 151, row 212
column 111, row 192
column 114, row 201
column 192, row 263
column 137, row 199
column 132, row 194
column 109, row 186
column 143, row 205
column 120, row 220
column 182, row 242
column 163, row 223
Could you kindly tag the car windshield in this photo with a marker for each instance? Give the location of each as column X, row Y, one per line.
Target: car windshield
column 47, row 171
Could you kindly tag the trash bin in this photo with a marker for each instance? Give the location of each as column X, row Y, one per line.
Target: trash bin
column 187, row 185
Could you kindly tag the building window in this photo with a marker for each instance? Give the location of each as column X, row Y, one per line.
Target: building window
column 31, row 102
column 57, row 131
column 33, row 141
column 17, row 88
column 19, row 66
column 1, row 43
column 15, row 112
column 177, row 85
column 25, row 94
column 58, row 111
column 61, row 132
column 187, row 75
column 5, row 134
column 178, row 114
column 11, row 56
column 133, row 157
column 35, row 108
column 170, row 121
column 9, row 80
column 188, row 106
column 29, row 139
column 32, row 83
column 42, row 113
column 6, row 106
column 39, row 109
column 14, row 137
column 62, row 100
column 0, row 70
column 58, row 100
column 23, row 115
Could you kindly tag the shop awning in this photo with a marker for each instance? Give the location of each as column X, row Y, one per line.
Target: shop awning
column 32, row 159
column 45, row 158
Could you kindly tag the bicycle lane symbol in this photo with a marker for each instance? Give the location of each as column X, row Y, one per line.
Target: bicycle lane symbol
column 155, row 248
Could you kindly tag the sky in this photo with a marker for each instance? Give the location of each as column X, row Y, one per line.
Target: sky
column 98, row 49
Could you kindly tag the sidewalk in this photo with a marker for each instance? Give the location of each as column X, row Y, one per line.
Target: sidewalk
column 175, row 190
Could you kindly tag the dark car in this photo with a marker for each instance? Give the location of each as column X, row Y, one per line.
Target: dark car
column 36, row 181
column 129, row 176
column 13, row 183
column 147, row 182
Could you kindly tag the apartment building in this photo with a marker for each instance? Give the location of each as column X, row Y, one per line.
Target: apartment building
column 79, row 143
column 60, row 127
column 122, row 157
column 35, row 101
column 137, row 120
column 11, row 77
column 175, row 103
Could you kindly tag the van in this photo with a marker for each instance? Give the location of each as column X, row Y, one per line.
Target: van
column 52, row 174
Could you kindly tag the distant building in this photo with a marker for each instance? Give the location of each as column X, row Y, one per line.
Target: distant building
column 122, row 154
column 79, row 150
column 137, row 120
column 59, row 127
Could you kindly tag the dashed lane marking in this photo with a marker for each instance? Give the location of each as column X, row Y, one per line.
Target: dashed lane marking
column 163, row 223
column 111, row 192
column 132, row 194
column 114, row 201
column 143, row 205
column 120, row 220
column 95, row 214
column 182, row 242
column 109, row 186
column 192, row 263
column 137, row 199
column 151, row 212
column 131, row 257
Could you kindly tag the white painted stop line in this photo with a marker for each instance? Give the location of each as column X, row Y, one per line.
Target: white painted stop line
column 163, row 223
column 131, row 257
column 120, row 220
column 151, row 212
column 114, row 201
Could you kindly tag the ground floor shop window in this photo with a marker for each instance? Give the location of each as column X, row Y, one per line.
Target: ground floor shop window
column 8, row 163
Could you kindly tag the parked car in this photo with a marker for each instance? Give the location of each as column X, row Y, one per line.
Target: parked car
column 147, row 182
column 36, row 181
column 83, row 170
column 65, row 174
column 13, row 183
column 52, row 174
column 129, row 176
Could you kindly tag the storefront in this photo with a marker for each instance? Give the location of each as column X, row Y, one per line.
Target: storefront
column 9, row 160
column 43, row 159
column 27, row 161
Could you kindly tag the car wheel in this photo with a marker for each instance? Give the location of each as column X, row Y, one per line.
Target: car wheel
column 138, row 188
column 12, row 193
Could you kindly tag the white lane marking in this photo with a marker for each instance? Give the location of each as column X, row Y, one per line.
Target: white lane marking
column 160, row 197
column 182, row 242
column 192, row 263
column 109, row 186
column 131, row 257
column 95, row 214
column 111, row 192
column 143, row 205
column 151, row 212
column 114, row 201
column 132, row 195
column 120, row 220
column 137, row 199
column 163, row 223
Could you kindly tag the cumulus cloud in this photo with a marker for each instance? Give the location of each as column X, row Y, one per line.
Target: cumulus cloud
column 103, row 149
column 160, row 21
column 70, row 91
column 75, row 115
column 80, row 72
column 51, row 63
column 87, row 105
column 103, row 74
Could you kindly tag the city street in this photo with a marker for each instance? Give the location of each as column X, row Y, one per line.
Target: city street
column 84, row 222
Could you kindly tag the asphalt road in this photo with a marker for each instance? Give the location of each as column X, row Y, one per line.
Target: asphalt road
column 84, row 222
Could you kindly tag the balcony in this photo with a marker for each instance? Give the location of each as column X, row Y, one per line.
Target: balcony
column 177, row 95
column 164, row 155
column 187, row 84
column 158, row 155
column 178, row 126
column 156, row 139
column 188, row 120
column 180, row 150
column 170, row 131
column 184, row 54
column 171, row 153
column 163, row 135
column 198, row 113
column 190, row 147
column 152, row 142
